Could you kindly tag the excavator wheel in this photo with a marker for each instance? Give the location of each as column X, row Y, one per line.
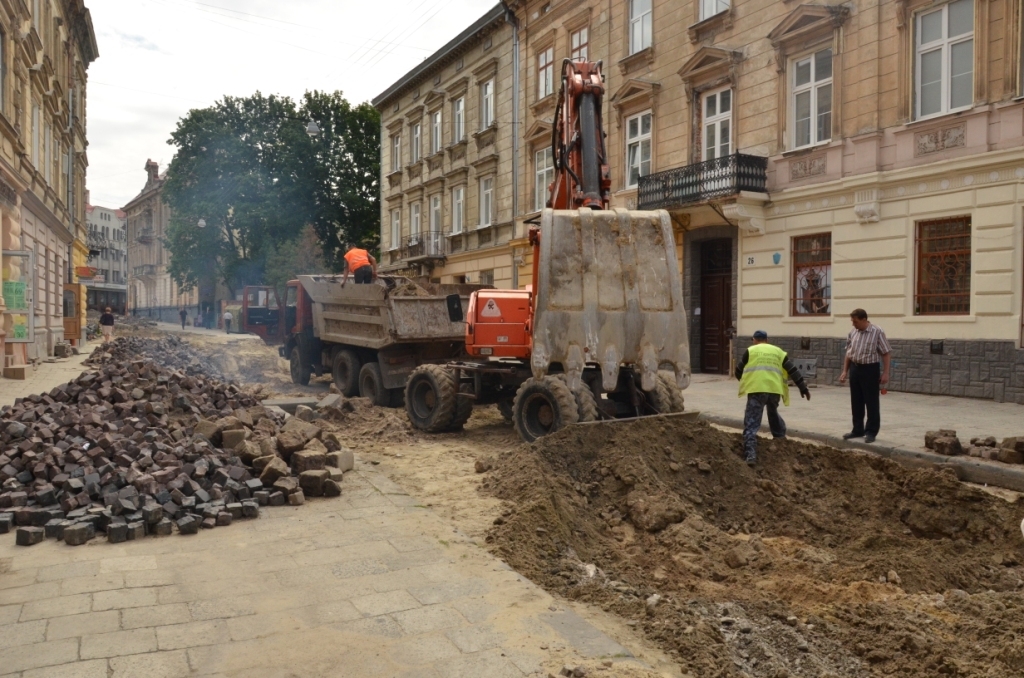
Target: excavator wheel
column 345, row 371
column 586, row 403
column 371, row 385
column 463, row 408
column 505, row 407
column 430, row 400
column 675, row 396
column 299, row 372
column 660, row 397
column 543, row 406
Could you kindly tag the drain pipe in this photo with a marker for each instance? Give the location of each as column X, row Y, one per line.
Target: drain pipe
column 510, row 17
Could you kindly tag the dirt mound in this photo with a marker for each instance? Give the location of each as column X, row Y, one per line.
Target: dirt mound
column 173, row 353
column 366, row 427
column 409, row 289
column 816, row 563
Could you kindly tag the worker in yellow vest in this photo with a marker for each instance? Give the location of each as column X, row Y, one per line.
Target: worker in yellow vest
column 764, row 372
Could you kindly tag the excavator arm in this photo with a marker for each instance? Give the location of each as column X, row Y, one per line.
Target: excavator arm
column 582, row 178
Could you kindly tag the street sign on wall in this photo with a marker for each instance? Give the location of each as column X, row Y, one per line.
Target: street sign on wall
column 18, row 275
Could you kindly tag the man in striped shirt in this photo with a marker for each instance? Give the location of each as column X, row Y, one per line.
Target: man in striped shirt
column 866, row 345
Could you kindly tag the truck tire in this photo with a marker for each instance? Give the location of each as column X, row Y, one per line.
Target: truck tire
column 430, row 399
column 463, row 408
column 371, row 385
column 661, row 398
column 586, row 403
column 543, row 406
column 345, row 371
column 675, row 395
column 299, row 371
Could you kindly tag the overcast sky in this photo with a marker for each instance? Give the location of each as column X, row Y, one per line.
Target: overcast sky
column 160, row 58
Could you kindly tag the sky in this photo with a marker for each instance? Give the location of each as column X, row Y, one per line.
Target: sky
column 161, row 58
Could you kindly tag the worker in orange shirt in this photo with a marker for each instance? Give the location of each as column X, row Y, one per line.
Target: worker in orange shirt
column 360, row 264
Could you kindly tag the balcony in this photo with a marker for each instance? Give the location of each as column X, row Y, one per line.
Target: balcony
column 703, row 181
column 424, row 247
column 144, row 271
column 145, row 236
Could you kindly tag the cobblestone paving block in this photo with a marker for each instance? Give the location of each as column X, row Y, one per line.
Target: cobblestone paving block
column 89, row 623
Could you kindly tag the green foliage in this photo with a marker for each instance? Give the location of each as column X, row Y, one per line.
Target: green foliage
column 247, row 167
column 300, row 256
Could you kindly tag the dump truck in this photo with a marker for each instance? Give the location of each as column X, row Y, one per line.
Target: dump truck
column 370, row 337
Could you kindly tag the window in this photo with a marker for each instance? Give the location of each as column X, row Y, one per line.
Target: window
column 458, row 208
column 545, row 73
column 943, row 267
column 638, row 148
column 47, row 154
column 487, row 104
column 545, row 174
column 396, row 228
column 486, row 201
column 639, row 25
column 396, row 153
column 487, row 277
column 459, row 120
column 35, row 135
column 414, row 152
column 579, row 42
column 812, row 99
column 945, row 59
column 435, row 132
column 414, row 221
column 709, row 8
column 812, row 274
column 435, row 213
column 717, row 124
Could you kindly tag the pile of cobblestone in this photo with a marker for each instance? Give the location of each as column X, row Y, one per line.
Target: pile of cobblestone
column 135, row 449
column 945, row 441
column 171, row 352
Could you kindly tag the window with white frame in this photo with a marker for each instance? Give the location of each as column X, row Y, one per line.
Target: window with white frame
column 579, row 43
column 486, row 201
column 459, row 120
column 396, row 229
column 414, row 152
column 717, row 137
column 545, row 73
column 396, row 152
column 640, row 26
column 47, row 153
column 944, row 65
column 709, row 8
column 35, row 135
column 414, row 219
column 435, row 132
column 458, row 208
column 811, row 101
column 487, row 104
column 435, row 213
column 544, row 171
column 638, row 148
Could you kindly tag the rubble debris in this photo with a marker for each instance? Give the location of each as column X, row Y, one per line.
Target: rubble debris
column 172, row 353
column 948, row 446
column 931, row 436
column 134, row 448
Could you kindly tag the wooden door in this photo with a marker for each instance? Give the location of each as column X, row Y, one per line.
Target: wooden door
column 715, row 305
column 72, row 313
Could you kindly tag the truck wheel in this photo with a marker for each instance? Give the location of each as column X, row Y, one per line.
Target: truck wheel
column 586, row 403
column 505, row 407
column 371, row 385
column 300, row 372
column 543, row 406
column 345, row 370
column 675, row 396
column 430, row 399
column 660, row 397
column 463, row 408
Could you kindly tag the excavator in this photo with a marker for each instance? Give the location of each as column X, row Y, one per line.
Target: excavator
column 601, row 333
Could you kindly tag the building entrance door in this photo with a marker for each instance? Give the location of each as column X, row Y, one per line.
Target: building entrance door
column 72, row 313
column 715, row 305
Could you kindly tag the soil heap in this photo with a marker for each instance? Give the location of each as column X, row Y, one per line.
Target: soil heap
column 816, row 563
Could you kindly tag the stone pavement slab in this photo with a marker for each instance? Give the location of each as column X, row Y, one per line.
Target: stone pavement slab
column 328, row 588
column 45, row 376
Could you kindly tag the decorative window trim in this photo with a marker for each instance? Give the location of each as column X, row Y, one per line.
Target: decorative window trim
column 709, row 68
column 458, row 88
column 703, row 28
column 486, row 70
column 635, row 96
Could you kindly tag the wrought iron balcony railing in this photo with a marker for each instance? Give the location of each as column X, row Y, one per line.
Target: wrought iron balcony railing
column 146, row 270
column 145, row 236
column 703, row 181
column 423, row 246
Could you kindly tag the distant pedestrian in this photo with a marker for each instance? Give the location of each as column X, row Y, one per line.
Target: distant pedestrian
column 183, row 314
column 227, row 321
column 865, row 346
column 764, row 372
column 360, row 264
column 107, row 324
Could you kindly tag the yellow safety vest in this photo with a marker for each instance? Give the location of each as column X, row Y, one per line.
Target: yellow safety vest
column 764, row 373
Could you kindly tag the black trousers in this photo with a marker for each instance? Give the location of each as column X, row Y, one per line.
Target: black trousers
column 864, row 396
column 364, row 275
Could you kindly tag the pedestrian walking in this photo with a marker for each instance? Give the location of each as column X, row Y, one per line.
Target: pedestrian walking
column 183, row 314
column 227, row 322
column 764, row 372
column 107, row 324
column 866, row 346
column 360, row 264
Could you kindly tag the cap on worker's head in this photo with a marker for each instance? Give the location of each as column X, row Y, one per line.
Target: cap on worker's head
column 761, row 335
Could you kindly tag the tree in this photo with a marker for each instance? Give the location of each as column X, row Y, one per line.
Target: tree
column 300, row 256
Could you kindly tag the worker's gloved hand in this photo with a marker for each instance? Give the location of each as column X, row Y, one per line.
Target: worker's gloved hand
column 805, row 393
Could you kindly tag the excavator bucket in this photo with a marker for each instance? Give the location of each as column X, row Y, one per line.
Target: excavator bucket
column 609, row 292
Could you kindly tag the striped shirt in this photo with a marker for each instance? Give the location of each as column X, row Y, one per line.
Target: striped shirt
column 864, row 347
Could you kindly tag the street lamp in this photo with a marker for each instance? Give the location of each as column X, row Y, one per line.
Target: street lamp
column 312, row 130
column 202, row 223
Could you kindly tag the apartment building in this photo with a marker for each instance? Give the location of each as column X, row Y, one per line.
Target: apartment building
column 447, row 146
column 45, row 49
column 152, row 292
column 106, row 275
column 815, row 158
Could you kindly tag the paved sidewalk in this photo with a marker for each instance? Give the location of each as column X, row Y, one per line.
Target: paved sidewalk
column 905, row 416
column 45, row 376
